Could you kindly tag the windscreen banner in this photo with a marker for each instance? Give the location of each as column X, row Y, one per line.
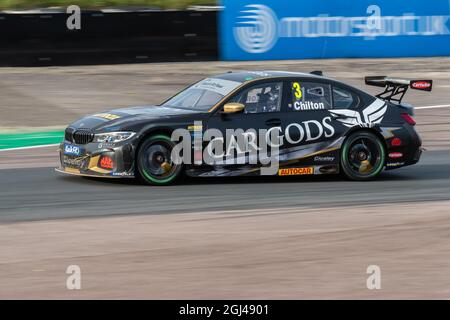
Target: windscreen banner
column 295, row 29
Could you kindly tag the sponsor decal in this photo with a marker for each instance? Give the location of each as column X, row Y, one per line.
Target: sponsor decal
column 257, row 28
column 106, row 145
column 72, row 150
column 234, row 143
column 324, row 159
column 220, row 86
column 296, row 171
column 421, row 85
column 395, row 155
column 308, row 105
column 303, row 131
column 74, row 162
column 395, row 164
column 370, row 116
column 122, row 174
column 106, row 162
column 300, row 97
column 195, row 127
column 107, row 116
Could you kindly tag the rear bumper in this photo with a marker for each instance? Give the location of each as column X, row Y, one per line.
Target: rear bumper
column 410, row 150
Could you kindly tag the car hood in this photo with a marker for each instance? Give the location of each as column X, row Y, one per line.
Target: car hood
column 119, row 117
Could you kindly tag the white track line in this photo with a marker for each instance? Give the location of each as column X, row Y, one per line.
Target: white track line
column 434, row 107
column 31, row 147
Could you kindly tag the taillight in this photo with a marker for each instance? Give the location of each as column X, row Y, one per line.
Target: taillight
column 408, row 119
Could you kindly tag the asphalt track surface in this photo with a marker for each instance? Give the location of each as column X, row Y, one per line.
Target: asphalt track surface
column 40, row 193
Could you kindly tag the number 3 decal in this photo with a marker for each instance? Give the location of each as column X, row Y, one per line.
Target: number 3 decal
column 298, row 90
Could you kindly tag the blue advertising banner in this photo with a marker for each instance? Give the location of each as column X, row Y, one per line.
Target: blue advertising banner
column 294, row 29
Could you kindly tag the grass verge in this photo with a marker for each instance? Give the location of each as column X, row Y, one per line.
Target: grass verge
column 20, row 140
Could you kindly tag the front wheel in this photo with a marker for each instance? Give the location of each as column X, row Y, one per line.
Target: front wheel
column 154, row 161
column 363, row 156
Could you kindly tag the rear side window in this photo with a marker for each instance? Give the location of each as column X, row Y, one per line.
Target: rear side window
column 310, row 96
column 344, row 99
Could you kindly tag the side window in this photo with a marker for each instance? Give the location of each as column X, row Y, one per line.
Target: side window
column 265, row 97
column 310, row 96
column 343, row 99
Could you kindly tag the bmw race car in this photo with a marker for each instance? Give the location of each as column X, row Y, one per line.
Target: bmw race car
column 251, row 123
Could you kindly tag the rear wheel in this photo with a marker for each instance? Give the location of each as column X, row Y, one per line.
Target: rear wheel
column 363, row 156
column 154, row 161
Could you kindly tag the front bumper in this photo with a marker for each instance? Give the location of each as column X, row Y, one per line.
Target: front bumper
column 98, row 160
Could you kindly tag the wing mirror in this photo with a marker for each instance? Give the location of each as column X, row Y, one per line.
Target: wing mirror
column 233, row 107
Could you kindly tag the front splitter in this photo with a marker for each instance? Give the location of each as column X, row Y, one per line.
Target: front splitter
column 76, row 172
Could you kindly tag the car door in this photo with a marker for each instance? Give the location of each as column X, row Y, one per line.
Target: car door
column 262, row 110
column 311, row 133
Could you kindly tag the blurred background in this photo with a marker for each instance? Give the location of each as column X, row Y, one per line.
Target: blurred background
column 267, row 238
column 63, row 32
column 47, row 33
column 163, row 4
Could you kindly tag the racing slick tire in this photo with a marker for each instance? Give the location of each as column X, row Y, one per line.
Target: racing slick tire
column 154, row 163
column 363, row 156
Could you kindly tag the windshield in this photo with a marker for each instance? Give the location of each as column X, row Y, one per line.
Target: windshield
column 202, row 95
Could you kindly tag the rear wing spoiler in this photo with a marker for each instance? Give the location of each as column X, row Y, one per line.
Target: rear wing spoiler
column 395, row 88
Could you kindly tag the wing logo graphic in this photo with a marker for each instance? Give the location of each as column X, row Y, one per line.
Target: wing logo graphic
column 369, row 117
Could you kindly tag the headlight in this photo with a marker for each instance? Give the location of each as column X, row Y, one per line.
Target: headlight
column 113, row 137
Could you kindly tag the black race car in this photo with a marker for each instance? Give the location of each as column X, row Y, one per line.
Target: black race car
column 251, row 123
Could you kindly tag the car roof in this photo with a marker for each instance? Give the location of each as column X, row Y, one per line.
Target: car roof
column 244, row 76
